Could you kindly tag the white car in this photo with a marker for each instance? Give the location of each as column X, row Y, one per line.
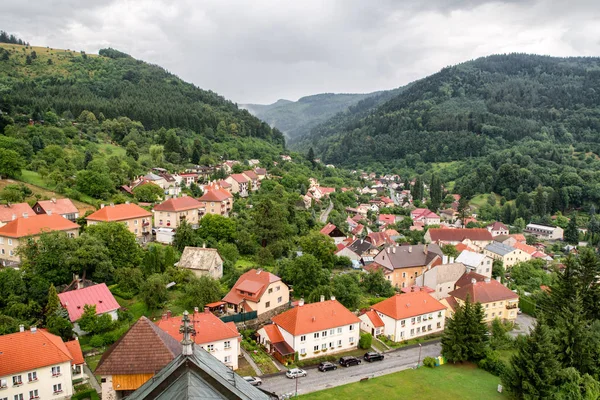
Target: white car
column 253, row 380
column 295, row 373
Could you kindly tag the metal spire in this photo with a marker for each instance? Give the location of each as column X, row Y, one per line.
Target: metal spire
column 188, row 331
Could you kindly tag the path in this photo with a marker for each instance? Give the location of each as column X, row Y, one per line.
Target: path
column 394, row 361
column 251, row 362
column 325, row 213
column 525, row 323
column 92, row 379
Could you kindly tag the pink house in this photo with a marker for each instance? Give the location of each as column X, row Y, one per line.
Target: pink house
column 425, row 216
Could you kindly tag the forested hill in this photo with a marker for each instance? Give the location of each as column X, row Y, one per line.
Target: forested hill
column 297, row 118
column 472, row 109
column 34, row 80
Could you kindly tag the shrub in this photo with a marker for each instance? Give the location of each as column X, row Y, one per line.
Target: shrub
column 365, row 341
column 492, row 363
column 429, row 362
column 88, row 394
column 97, row 341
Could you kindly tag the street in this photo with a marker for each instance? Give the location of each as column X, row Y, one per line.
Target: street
column 315, row 380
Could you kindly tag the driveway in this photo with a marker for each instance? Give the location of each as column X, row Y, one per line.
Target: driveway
column 394, row 361
column 525, row 324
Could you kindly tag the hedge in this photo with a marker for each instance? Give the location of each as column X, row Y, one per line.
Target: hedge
column 87, row 395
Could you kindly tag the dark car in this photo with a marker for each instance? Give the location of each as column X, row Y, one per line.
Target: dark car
column 373, row 356
column 349, row 361
column 327, row 366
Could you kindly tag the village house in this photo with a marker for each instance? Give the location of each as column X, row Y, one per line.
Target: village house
column 202, row 261
column 476, row 238
column 74, row 302
column 259, row 291
column 17, row 231
column 384, row 220
column 441, row 278
column 505, row 239
column 216, row 200
column 379, row 239
column 135, row 218
column 371, row 322
column 188, row 178
column 35, row 364
column 220, row 339
column 363, row 248
column 497, row 300
column 167, row 182
column 135, row 358
column 497, row 228
column 170, row 213
column 261, row 173
column 425, row 216
column 545, row 231
column 410, row 315
column 509, row 256
column 333, row 232
column 239, row 184
column 254, row 181
column 63, row 207
column 476, row 262
column 9, row 212
column 404, row 264
column 316, row 329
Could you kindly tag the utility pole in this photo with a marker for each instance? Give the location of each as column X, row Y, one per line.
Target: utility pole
column 420, row 348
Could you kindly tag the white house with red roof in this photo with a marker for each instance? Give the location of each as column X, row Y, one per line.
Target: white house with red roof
column 170, row 213
column 372, row 323
column 37, row 364
column 425, row 216
column 135, row 218
column 63, row 207
column 384, row 220
column 254, row 180
column 240, row 184
column 74, row 302
column 220, row 339
column 10, row 212
column 259, row 291
column 215, row 200
column 333, row 232
column 410, row 315
column 497, row 228
column 318, row 329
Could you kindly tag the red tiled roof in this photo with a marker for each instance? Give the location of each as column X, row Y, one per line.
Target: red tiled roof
column 340, row 246
column 178, row 204
column 273, row 333
column 422, row 213
column 460, row 247
column 315, row 317
column 239, row 178
column 250, row 174
column 209, row 328
column 215, row 195
column 498, row 226
column 255, row 282
column 36, row 224
column 375, row 319
column 525, row 248
column 118, row 212
column 484, row 292
column 467, row 277
column 260, row 171
column 458, row 235
column 406, row 305
column 7, row 211
column 374, row 266
column 224, row 184
column 539, row 254
column 415, row 288
column 379, row 239
column 97, row 295
column 75, row 350
column 57, row 206
column 26, row 351
column 327, row 229
column 358, row 229
column 519, row 237
column 326, row 190
column 387, row 218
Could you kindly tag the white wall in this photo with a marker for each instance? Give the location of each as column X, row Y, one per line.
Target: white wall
column 398, row 332
column 44, row 383
column 220, row 352
column 331, row 337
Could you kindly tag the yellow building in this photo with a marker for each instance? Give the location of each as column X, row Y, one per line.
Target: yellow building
column 133, row 216
column 509, row 255
column 171, row 212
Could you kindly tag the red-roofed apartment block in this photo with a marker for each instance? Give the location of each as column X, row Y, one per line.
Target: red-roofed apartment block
column 239, row 184
column 135, row 218
column 74, row 302
column 216, row 200
column 170, row 213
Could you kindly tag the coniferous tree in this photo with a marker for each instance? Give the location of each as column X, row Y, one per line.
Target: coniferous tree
column 571, row 233
column 539, row 202
column 53, row 305
column 311, row 156
column 465, row 336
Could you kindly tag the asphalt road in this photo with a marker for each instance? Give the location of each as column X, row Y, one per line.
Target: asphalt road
column 315, row 380
column 525, row 323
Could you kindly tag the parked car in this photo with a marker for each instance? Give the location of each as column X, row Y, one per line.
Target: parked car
column 373, row 356
column 253, row 380
column 327, row 366
column 295, row 373
column 348, row 361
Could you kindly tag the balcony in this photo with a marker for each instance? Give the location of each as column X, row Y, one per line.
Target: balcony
column 511, row 306
column 146, row 223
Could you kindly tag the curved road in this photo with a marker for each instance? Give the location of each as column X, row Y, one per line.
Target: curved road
column 394, row 361
column 325, row 214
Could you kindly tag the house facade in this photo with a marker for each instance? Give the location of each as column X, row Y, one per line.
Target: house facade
column 497, row 228
column 441, row 278
column 509, row 256
column 258, row 290
column 135, row 218
column 476, row 262
column 170, row 213
column 403, row 264
column 240, row 184
column 217, row 201
column 425, row 216
column 63, row 207
column 371, row 322
column 254, row 180
column 545, row 231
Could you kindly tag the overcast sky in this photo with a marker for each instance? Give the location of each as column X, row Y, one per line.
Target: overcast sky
column 259, row 51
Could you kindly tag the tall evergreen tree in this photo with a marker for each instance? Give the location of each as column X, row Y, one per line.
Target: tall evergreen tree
column 311, row 156
column 465, row 337
column 53, row 304
column 571, row 233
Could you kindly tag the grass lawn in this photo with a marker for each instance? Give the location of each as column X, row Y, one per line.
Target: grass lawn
column 243, row 263
column 446, row 382
column 34, row 181
column 93, row 361
column 244, row 368
column 108, row 149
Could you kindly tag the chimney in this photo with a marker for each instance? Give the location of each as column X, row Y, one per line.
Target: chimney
column 21, row 328
column 164, row 317
column 127, row 202
column 14, row 216
column 49, row 212
column 196, row 310
column 53, row 200
column 207, row 310
column 313, row 319
column 499, row 279
column 444, row 259
column 33, row 329
column 394, row 250
column 204, row 245
column 301, row 303
column 169, row 313
column 322, row 298
column 473, row 281
column 25, row 215
column 425, row 249
column 410, row 249
column 387, row 250
column 112, row 204
column 101, row 205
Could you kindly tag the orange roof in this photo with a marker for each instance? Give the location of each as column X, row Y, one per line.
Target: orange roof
column 484, row 292
column 406, row 305
column 119, row 212
column 26, row 351
column 327, row 229
column 460, row 247
column 273, row 333
column 375, row 319
column 75, row 350
column 253, row 283
column 7, row 211
column 525, row 248
column 250, row 174
column 215, row 195
column 35, row 225
column 178, row 204
column 519, row 237
column 57, row 206
column 209, row 328
column 315, row 317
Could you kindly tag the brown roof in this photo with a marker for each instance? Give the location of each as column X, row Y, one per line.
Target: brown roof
column 458, row 235
column 484, row 292
column 143, row 349
column 178, row 204
column 253, row 283
column 118, row 212
column 466, row 278
column 260, row 171
column 451, row 302
column 497, row 226
column 7, row 211
column 315, row 317
column 36, row 224
column 378, row 239
column 408, row 256
column 406, row 305
column 57, row 206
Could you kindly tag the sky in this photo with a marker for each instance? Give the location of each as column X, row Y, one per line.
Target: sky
column 259, row 51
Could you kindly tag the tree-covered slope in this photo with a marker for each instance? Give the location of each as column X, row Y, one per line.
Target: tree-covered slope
column 38, row 79
column 472, row 109
column 297, row 118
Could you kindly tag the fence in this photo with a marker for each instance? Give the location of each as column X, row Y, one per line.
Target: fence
column 241, row 317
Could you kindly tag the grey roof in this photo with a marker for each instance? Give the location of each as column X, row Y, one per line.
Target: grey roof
column 198, row 258
column 499, row 248
column 501, row 238
column 198, row 376
column 152, row 177
column 470, row 258
column 407, row 256
column 360, row 246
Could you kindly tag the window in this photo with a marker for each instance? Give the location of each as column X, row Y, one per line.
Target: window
column 277, row 288
column 227, row 344
column 439, row 314
column 18, row 396
column 77, row 369
column 268, row 304
column 210, row 347
column 56, row 371
column 10, row 242
column 270, row 290
column 2, row 251
column 439, row 325
column 303, row 338
column 32, row 376
column 160, row 221
column 126, row 223
column 302, row 351
column 11, row 253
column 339, row 330
column 339, row 343
column 493, row 314
column 316, row 335
column 428, row 327
column 1, row 240
column 316, row 348
column 17, row 380
column 135, row 222
column 419, row 329
column 412, row 331
column 33, row 394
column 227, row 359
column 331, row 331
column 487, row 306
column 57, row 388
column 402, row 323
column 351, row 339
column 404, row 274
column 136, row 230
column 419, row 318
column 351, row 328
column 3, row 383
column 331, row 345
column 493, row 304
column 324, row 333
column 324, row 346
column 279, row 299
